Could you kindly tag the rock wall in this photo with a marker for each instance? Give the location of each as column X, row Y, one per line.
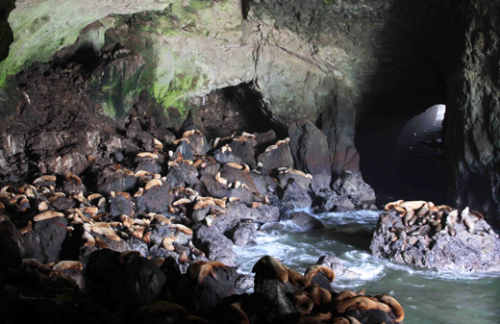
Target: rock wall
column 473, row 110
column 325, row 61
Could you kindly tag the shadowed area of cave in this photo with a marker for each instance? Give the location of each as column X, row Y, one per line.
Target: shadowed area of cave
column 402, row 148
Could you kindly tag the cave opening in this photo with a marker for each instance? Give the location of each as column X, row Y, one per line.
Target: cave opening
column 236, row 109
column 402, row 150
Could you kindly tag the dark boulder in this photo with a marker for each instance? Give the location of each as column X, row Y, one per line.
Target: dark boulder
column 305, row 222
column 279, row 157
column 352, row 186
column 47, row 238
column 109, row 180
column 215, row 244
column 156, row 199
column 117, row 280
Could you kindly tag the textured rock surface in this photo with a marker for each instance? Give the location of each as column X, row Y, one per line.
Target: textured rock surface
column 473, row 111
column 413, row 245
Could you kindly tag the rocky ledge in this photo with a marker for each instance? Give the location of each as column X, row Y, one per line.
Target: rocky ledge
column 436, row 237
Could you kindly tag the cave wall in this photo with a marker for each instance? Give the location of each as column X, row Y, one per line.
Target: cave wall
column 326, row 61
column 473, row 110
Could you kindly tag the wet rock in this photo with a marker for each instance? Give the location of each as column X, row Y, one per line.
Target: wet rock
column 217, row 246
column 226, row 157
column 184, row 175
column 245, row 152
column 309, row 148
column 263, row 182
column 10, row 253
column 306, row 222
column 156, row 199
column 421, row 246
column 213, row 188
column 244, row 282
column 243, row 234
column 283, row 179
column 235, row 212
column 265, row 214
column 353, row 187
column 275, row 294
column 330, row 201
column 129, row 281
column 63, row 203
column 371, row 316
column 335, row 263
column 232, row 175
column 149, row 166
column 201, row 298
column 295, row 196
column 47, row 238
column 109, row 180
column 269, row 227
column 120, row 205
column 279, row 157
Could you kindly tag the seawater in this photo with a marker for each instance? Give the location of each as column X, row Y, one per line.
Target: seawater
column 427, row 296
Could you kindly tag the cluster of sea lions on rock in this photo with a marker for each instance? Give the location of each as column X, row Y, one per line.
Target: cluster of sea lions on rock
column 440, row 237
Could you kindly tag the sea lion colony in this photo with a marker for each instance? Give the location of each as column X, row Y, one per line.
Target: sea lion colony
column 436, row 220
column 59, row 236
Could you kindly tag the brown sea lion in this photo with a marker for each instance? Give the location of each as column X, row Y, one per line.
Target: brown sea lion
column 361, row 303
column 200, row 270
column 300, row 299
column 313, row 270
column 296, row 277
column 394, row 305
column 272, row 268
column 319, row 295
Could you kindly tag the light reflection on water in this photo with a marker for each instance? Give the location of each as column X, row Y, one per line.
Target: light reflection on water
column 427, row 296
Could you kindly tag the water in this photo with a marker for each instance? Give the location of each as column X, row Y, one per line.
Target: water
column 427, row 296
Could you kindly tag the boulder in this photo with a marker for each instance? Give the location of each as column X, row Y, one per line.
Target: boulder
column 279, row 157
column 309, row 148
column 295, row 196
column 156, row 199
column 115, row 280
column 352, row 186
column 243, row 234
column 47, row 238
column 245, row 152
column 109, row 180
column 214, row 244
column 335, row 263
column 425, row 247
column 305, row 222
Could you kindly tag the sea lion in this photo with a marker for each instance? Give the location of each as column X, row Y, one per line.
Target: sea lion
column 68, row 265
column 296, row 277
column 340, row 320
column 313, row 270
column 467, row 219
column 271, row 267
column 47, row 215
column 346, row 294
column 415, row 205
column 319, row 295
column 391, row 205
column 181, row 228
column 401, row 211
column 394, row 305
column 300, row 299
column 200, row 270
column 152, row 183
column 361, row 303
column 409, row 215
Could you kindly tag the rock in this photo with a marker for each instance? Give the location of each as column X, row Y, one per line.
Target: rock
column 279, row 157
column 47, row 238
column 423, row 247
column 309, row 148
column 10, row 252
column 244, row 282
column 295, row 196
column 63, row 203
column 226, row 157
column 156, row 199
column 243, row 234
column 283, row 179
column 353, row 187
column 184, row 175
column 138, row 245
column 109, row 180
column 245, row 152
column 149, row 166
column 214, row 244
column 130, row 281
column 330, row 201
column 232, row 175
column 120, row 205
column 306, row 222
column 335, row 263
column 265, row 214
column 263, row 182
column 274, row 294
column 201, row 299
column 212, row 188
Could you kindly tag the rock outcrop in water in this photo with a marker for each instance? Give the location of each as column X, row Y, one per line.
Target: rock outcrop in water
column 421, row 234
